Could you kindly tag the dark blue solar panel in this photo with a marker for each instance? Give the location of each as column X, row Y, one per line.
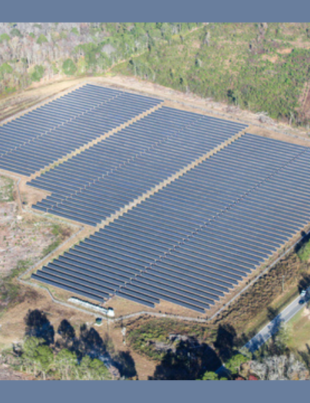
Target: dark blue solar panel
column 42, row 136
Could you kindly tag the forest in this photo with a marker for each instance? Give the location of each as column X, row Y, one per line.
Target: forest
column 255, row 66
column 258, row 67
column 29, row 52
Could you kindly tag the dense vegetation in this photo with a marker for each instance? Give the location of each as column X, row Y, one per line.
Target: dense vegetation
column 29, row 52
column 260, row 67
column 304, row 250
column 39, row 359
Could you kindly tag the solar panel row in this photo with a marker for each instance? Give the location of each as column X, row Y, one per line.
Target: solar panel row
column 114, row 172
column 51, row 115
column 193, row 241
column 114, row 151
column 43, row 136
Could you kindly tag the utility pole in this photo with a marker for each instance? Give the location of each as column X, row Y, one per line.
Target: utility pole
column 283, row 279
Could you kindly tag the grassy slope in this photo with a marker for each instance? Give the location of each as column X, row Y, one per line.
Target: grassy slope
column 268, row 77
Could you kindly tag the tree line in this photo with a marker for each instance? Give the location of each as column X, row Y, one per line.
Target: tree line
column 29, row 52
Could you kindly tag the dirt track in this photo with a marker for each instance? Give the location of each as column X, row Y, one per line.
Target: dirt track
column 25, row 236
column 7, row 374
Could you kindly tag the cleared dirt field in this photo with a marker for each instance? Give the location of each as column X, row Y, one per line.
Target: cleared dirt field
column 13, row 104
column 12, row 326
column 25, row 236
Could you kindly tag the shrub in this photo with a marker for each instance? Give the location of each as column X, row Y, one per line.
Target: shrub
column 41, row 39
column 6, row 69
column 234, row 363
column 38, row 73
column 210, row 376
column 16, row 32
column 75, row 31
column 304, row 252
column 4, row 37
column 69, row 67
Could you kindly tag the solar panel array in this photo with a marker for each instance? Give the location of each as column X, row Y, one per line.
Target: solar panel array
column 99, row 181
column 190, row 243
column 194, row 240
column 48, row 133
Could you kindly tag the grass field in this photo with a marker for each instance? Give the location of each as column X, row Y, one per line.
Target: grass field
column 300, row 330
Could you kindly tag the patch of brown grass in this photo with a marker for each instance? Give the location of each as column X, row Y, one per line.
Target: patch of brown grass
column 272, row 59
column 285, row 51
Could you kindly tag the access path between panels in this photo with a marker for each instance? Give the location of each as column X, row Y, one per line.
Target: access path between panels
column 100, row 181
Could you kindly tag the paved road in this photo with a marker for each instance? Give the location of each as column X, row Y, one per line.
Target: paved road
column 272, row 327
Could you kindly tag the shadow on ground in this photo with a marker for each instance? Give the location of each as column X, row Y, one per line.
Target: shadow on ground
column 89, row 342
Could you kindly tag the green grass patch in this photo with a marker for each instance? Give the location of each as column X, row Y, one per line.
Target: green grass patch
column 60, row 233
column 304, row 252
column 300, row 333
column 6, row 189
column 51, row 247
column 56, row 229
